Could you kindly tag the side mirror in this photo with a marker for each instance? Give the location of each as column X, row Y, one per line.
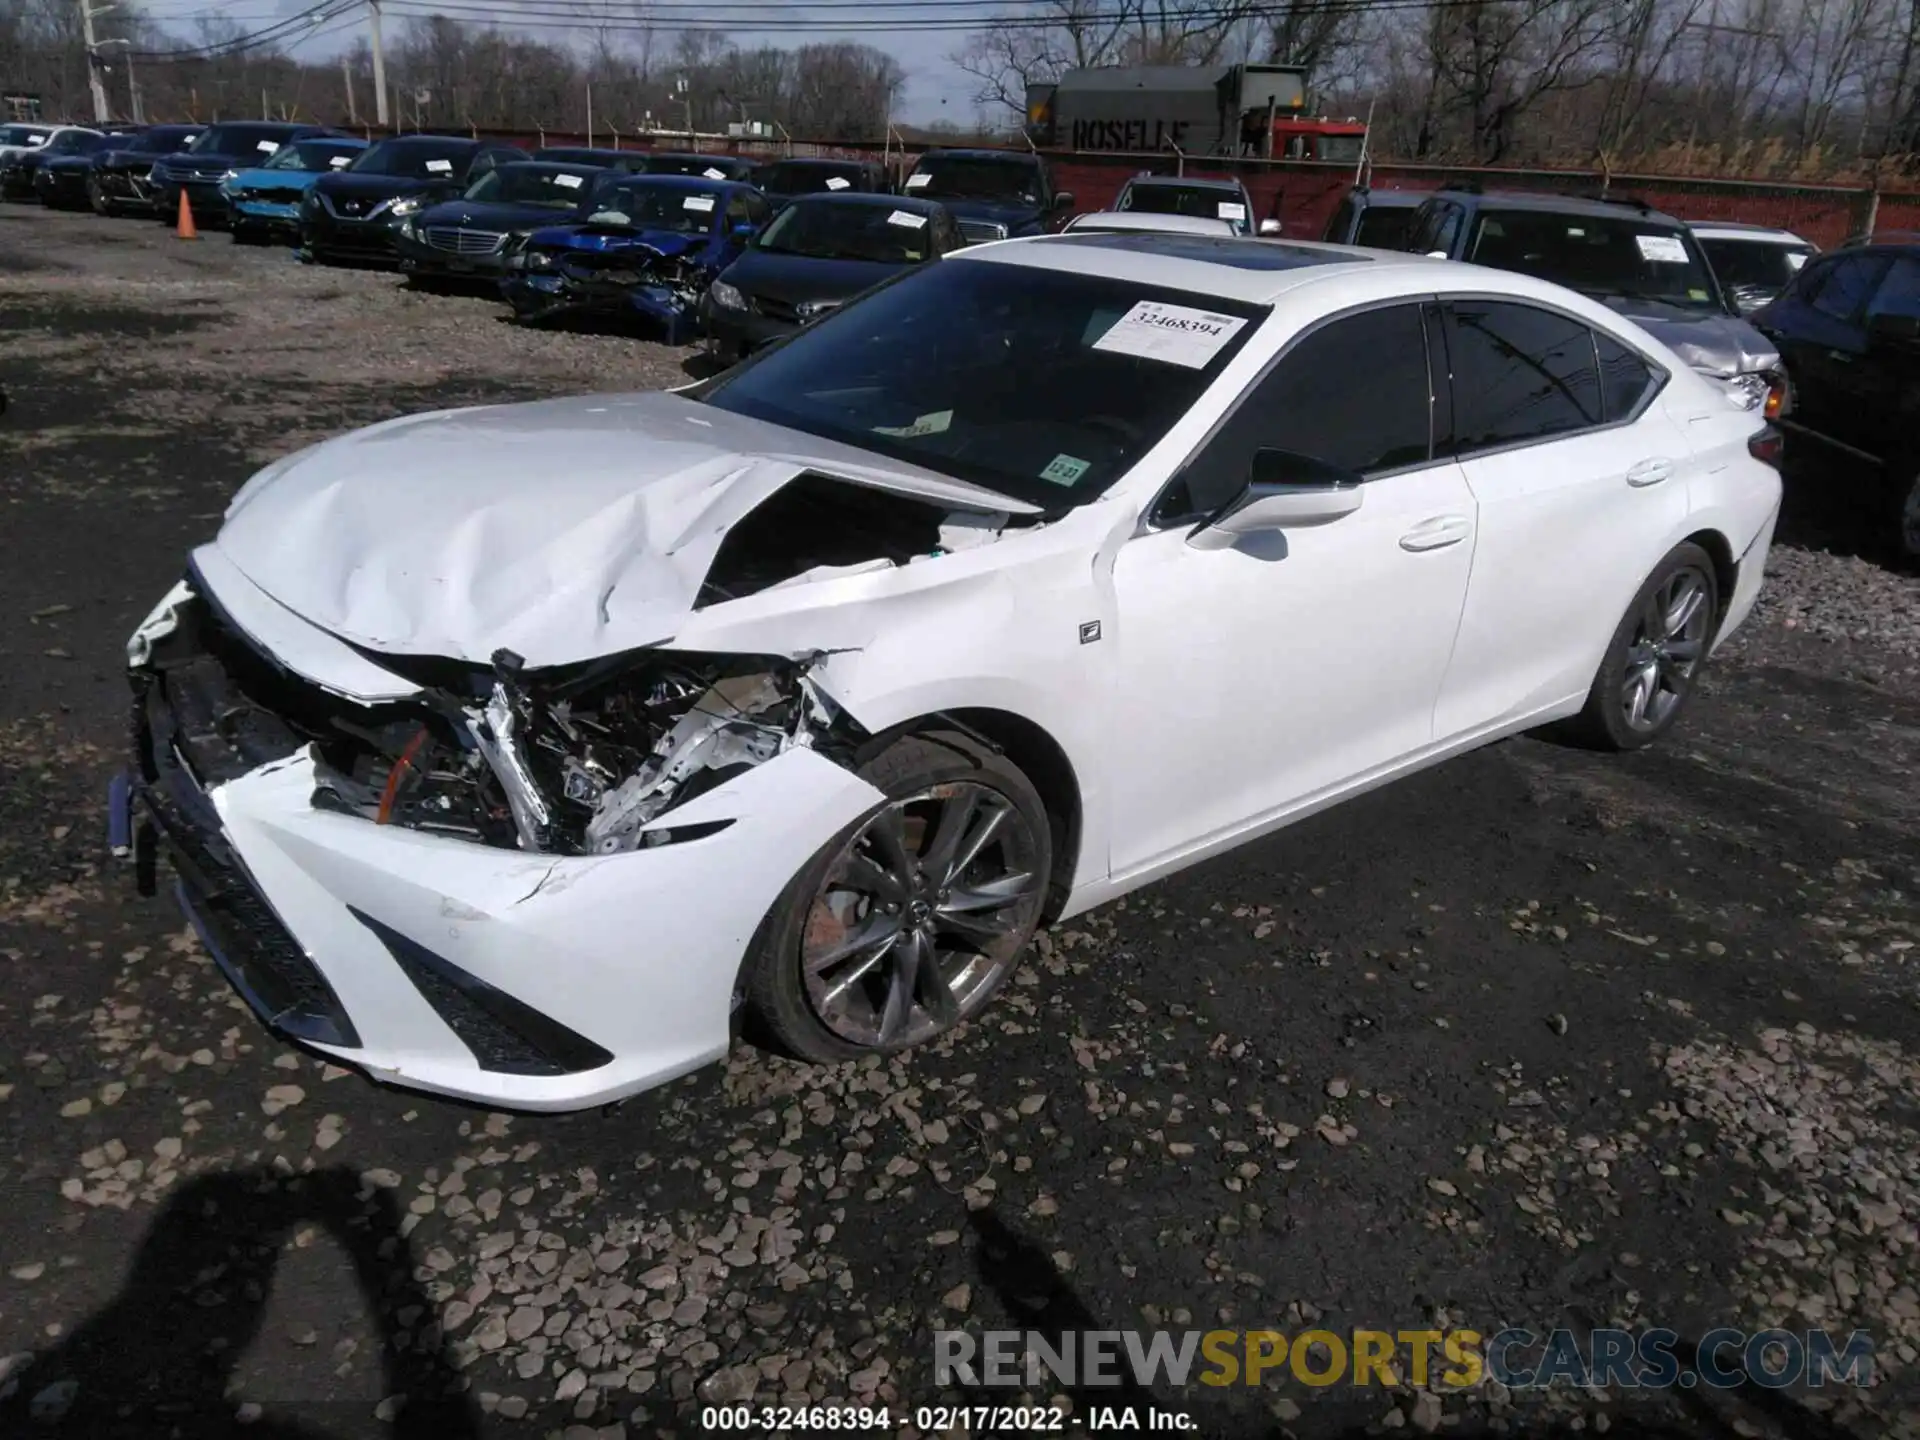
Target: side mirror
column 1063, row 200
column 1269, row 227
column 1889, row 331
column 1284, row 492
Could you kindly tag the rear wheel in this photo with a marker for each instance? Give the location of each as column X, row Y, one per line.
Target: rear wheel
column 97, row 198
column 1906, row 514
column 1655, row 656
column 906, row 923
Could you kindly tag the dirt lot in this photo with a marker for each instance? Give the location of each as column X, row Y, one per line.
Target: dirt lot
column 1539, row 1038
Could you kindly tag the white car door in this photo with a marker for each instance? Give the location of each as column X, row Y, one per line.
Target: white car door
column 1579, row 476
column 1252, row 678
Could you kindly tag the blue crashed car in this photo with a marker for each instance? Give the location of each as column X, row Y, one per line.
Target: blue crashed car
column 265, row 199
column 649, row 248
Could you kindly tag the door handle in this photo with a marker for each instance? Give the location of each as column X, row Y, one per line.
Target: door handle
column 1437, row 533
column 1650, row 472
column 1840, row 357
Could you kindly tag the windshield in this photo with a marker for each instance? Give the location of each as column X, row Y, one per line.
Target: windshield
column 833, row 231
column 655, row 207
column 71, row 142
column 722, row 168
column 310, row 155
column 973, row 177
column 1339, row 149
column 23, row 134
column 529, row 184
column 415, row 159
column 1763, row 266
column 808, row 179
column 1200, row 201
column 1385, row 227
column 261, row 140
column 1599, row 255
column 157, row 142
column 1040, row 384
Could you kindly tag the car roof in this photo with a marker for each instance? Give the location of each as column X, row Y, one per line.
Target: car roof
column 1558, row 204
column 1148, row 222
column 701, row 183
column 1255, row 272
column 822, row 161
column 1737, row 230
column 978, row 153
column 1186, row 182
column 1390, row 199
column 913, row 204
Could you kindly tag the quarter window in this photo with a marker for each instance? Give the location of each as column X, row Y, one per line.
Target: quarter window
column 1846, row 284
column 1519, row 374
column 1625, row 379
column 1354, row 393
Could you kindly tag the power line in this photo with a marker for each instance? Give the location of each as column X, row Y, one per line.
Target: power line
column 996, row 17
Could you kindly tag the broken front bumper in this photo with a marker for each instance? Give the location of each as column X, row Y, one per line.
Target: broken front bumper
column 554, row 294
column 525, row 981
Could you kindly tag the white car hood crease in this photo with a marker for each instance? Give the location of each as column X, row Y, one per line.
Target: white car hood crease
column 560, row 530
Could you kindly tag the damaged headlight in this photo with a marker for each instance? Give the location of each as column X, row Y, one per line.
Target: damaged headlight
column 727, row 297
column 579, row 763
column 1748, row 391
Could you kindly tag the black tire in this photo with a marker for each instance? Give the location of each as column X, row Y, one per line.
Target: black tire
column 1903, row 513
column 1606, row 722
column 97, row 199
column 780, row 1010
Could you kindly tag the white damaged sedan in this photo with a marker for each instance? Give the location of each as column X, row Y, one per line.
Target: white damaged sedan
column 523, row 753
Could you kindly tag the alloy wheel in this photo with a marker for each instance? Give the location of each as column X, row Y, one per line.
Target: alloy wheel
column 921, row 914
column 1669, row 641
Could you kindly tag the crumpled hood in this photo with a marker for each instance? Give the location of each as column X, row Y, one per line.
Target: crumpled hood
column 1712, row 343
column 599, row 239
column 561, row 530
column 1016, row 217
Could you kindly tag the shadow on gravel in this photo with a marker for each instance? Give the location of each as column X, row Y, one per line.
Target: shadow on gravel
column 148, row 1364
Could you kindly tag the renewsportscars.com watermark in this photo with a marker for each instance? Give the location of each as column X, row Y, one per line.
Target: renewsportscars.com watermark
column 1447, row 1359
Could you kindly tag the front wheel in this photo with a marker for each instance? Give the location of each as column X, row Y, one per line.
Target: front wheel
column 1906, row 515
column 1654, row 658
column 97, row 198
column 906, row 923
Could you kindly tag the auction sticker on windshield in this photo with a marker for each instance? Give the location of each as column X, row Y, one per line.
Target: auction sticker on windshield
column 702, row 203
column 933, row 424
column 1170, row 333
column 834, row 182
column 267, row 147
column 1662, row 249
column 919, row 182
column 567, row 182
column 1231, row 210
column 713, row 173
column 909, row 220
column 340, row 162
column 439, row 167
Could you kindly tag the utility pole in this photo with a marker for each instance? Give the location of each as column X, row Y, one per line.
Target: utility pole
column 87, row 13
column 379, row 62
column 346, row 73
column 133, row 83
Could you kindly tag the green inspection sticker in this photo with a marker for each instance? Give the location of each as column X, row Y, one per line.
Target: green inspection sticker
column 1064, row 469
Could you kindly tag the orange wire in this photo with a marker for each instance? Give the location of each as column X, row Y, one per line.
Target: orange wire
column 384, row 814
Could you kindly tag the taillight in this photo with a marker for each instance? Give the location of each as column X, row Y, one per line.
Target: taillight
column 1775, row 405
column 1768, row 446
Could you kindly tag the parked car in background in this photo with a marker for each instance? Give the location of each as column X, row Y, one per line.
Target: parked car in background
column 783, row 180
column 692, row 162
column 264, row 201
column 1377, row 219
column 994, row 194
column 1849, row 327
column 61, row 167
column 1881, row 237
column 1204, row 199
column 198, row 171
column 1628, row 256
column 820, row 251
column 1753, row 263
column 469, row 239
column 560, row 740
column 119, row 177
column 632, row 161
column 1148, row 222
column 15, row 139
column 648, row 251
column 19, row 165
column 353, row 215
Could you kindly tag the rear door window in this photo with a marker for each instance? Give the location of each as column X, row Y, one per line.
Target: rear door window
column 1845, row 285
column 1899, row 293
column 1520, row 374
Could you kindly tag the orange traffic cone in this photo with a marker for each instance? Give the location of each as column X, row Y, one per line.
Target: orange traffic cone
column 184, row 230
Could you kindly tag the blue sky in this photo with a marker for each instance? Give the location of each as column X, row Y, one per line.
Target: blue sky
column 935, row 88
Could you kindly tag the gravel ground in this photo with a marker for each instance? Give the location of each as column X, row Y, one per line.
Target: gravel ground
column 1536, row 1038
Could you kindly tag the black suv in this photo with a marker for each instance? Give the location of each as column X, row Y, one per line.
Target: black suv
column 1849, row 329
column 994, row 194
column 1628, row 256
